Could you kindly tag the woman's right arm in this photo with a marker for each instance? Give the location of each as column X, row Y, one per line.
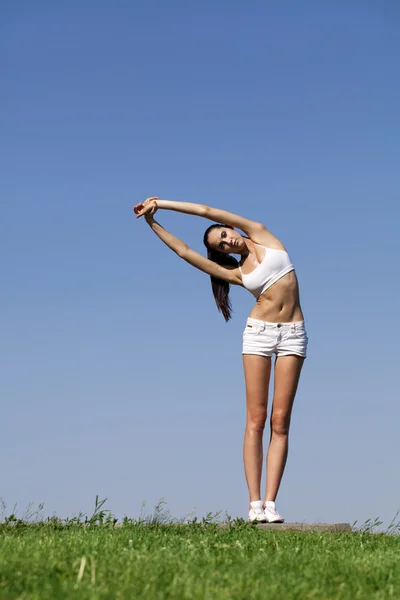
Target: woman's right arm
column 231, row 275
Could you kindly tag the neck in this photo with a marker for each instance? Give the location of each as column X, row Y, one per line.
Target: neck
column 249, row 247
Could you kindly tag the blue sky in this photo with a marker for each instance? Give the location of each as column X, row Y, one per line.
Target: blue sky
column 119, row 377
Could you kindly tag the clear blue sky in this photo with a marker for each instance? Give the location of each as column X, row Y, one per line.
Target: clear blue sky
column 118, row 375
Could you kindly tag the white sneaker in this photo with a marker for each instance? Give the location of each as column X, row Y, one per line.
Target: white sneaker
column 271, row 514
column 256, row 512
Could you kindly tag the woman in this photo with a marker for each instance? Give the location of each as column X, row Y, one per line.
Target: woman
column 275, row 325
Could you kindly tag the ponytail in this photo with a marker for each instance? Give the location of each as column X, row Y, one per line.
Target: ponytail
column 220, row 288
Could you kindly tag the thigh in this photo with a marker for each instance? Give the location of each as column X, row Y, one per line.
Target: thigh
column 257, row 371
column 286, row 378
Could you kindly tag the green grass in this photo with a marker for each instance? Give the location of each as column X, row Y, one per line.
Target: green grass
column 99, row 558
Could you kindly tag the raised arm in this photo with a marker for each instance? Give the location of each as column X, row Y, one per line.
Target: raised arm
column 214, row 214
column 231, row 275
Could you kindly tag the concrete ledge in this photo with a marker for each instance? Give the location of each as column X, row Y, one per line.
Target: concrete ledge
column 332, row 527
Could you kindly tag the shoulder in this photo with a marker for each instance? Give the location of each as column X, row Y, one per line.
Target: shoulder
column 262, row 236
column 235, row 274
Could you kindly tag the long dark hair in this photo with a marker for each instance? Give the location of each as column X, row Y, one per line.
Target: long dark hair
column 220, row 288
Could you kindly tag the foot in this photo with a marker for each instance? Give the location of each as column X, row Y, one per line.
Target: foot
column 256, row 512
column 271, row 514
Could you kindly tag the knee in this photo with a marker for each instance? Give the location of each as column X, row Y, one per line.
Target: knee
column 256, row 421
column 280, row 423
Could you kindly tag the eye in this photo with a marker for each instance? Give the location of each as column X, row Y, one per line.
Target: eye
column 223, row 235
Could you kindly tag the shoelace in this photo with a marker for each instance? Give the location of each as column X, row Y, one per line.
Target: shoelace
column 272, row 510
column 257, row 511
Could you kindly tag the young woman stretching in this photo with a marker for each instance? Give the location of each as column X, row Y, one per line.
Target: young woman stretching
column 275, row 326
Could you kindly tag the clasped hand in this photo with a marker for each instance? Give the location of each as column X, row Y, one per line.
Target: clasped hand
column 147, row 208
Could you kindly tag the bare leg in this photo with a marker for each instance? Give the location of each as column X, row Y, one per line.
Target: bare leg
column 286, row 376
column 257, row 370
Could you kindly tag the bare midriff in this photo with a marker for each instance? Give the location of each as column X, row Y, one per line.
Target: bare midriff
column 281, row 302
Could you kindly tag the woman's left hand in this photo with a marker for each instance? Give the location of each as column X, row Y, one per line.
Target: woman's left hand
column 147, row 208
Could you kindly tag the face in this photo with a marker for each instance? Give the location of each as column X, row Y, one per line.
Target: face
column 225, row 240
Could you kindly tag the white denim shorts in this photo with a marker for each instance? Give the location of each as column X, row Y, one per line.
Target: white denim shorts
column 265, row 339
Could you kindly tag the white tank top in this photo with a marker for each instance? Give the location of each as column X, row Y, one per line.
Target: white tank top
column 274, row 265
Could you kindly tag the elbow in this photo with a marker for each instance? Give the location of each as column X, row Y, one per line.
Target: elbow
column 204, row 210
column 259, row 226
column 181, row 251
